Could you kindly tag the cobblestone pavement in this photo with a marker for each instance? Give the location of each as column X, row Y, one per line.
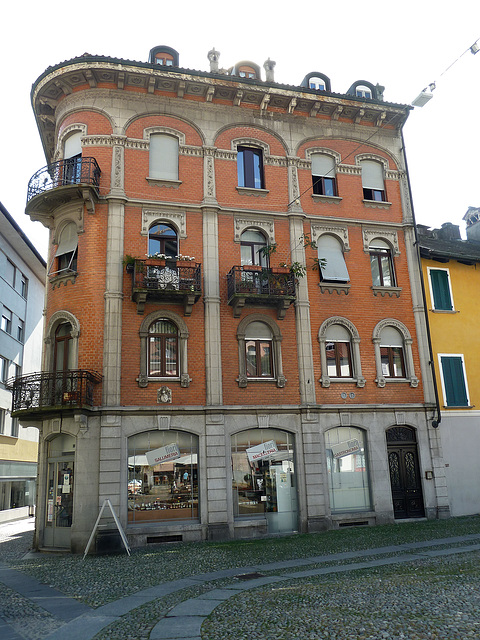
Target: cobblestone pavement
column 426, row 590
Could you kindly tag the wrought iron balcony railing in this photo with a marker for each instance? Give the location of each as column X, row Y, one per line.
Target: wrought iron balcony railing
column 257, row 285
column 73, row 171
column 54, row 389
column 156, row 279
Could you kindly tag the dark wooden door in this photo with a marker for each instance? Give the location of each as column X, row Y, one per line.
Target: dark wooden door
column 405, row 480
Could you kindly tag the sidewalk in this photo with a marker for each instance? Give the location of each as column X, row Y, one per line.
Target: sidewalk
column 44, row 613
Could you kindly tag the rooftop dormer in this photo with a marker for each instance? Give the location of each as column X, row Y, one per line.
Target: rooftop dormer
column 165, row 56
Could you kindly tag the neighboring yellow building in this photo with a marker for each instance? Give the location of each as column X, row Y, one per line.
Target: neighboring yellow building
column 451, row 271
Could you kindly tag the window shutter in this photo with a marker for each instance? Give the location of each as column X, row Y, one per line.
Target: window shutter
column 335, row 269
column 337, row 333
column 390, row 337
column 68, row 240
column 163, row 157
column 441, row 289
column 72, row 146
column 323, row 165
column 258, row 331
column 454, row 381
column 372, row 175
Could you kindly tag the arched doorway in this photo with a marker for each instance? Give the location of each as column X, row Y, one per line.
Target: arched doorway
column 405, row 476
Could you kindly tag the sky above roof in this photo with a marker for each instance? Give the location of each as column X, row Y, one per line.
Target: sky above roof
column 403, row 47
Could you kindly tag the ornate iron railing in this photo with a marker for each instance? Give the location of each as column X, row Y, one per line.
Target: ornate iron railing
column 167, row 276
column 46, row 390
column 63, row 173
column 266, row 283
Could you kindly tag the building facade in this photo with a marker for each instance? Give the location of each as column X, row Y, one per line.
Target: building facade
column 450, row 269
column 22, row 290
column 235, row 338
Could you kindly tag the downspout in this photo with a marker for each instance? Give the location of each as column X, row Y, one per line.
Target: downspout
column 436, row 420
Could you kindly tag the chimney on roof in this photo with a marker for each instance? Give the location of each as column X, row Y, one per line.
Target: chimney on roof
column 449, row 231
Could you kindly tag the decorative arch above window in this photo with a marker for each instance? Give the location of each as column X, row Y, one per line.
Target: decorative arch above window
column 265, row 226
column 316, row 80
column 177, row 220
column 393, row 353
column 75, row 131
column 343, row 359
column 259, row 350
column 162, row 238
column 160, row 342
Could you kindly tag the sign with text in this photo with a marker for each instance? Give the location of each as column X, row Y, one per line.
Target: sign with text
column 345, row 448
column 163, row 454
column 262, row 450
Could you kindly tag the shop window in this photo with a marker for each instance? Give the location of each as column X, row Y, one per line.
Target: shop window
column 440, row 289
column 252, row 244
column 163, row 474
column 454, row 380
column 259, row 341
column 381, row 263
column 162, row 349
column 393, row 353
column 250, row 167
column 330, row 253
column 65, row 260
column 347, row 470
column 373, row 181
column 6, row 321
column 323, row 175
column 162, row 239
column 163, row 157
column 340, row 352
column 263, row 477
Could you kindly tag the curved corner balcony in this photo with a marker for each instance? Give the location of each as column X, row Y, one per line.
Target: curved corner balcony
column 253, row 285
column 38, row 393
column 62, row 182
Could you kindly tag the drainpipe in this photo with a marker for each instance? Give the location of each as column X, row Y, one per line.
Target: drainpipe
column 438, row 418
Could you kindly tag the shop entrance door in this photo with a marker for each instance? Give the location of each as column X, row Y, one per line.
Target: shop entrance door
column 281, row 497
column 59, row 508
column 404, row 469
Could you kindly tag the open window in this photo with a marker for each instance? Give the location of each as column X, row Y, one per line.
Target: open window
column 65, row 260
column 162, row 239
column 72, row 158
column 330, row 253
column 250, row 167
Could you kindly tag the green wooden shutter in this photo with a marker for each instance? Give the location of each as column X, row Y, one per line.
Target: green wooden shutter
column 441, row 290
column 454, row 381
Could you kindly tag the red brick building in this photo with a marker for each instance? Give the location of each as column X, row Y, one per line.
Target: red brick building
column 235, row 340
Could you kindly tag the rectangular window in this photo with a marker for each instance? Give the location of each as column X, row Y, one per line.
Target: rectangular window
column 10, row 273
column 6, row 321
column 20, row 330
column 440, row 289
column 14, row 428
column 4, row 365
column 23, row 285
column 454, row 380
column 2, row 422
column 339, row 361
column 392, row 362
column 323, row 175
column 372, row 181
column 163, row 157
column 259, row 358
column 250, row 167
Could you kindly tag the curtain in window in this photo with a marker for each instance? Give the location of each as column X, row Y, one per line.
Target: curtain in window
column 163, row 157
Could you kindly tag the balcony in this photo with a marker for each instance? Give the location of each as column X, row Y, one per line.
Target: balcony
column 251, row 285
column 37, row 393
column 157, row 280
column 62, row 182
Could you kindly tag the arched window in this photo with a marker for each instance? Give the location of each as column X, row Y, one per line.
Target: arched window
column 330, row 253
column 259, row 352
column 162, row 349
column 251, row 244
column 340, row 352
column 362, row 91
column 347, row 470
column 72, row 158
column 373, row 181
column 393, row 353
column 63, row 353
column 163, row 164
column 162, row 238
column 381, row 263
column 65, row 260
column 317, row 83
column 323, row 175
column 250, row 167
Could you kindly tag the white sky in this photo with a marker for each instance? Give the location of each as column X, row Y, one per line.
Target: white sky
column 403, row 46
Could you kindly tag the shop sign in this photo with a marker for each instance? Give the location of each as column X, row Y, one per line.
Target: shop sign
column 163, row 454
column 262, row 450
column 345, row 448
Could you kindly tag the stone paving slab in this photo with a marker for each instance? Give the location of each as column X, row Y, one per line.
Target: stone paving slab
column 82, row 628
column 216, row 594
column 194, row 607
column 8, row 633
column 181, row 627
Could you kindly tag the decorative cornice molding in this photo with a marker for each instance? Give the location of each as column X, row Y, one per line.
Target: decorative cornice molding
column 160, row 214
column 319, row 199
column 340, row 232
column 349, row 169
column 267, row 226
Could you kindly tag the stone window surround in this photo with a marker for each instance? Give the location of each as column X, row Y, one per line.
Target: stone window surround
column 277, row 338
column 357, row 378
column 183, row 335
column 178, row 220
column 410, row 376
column 58, row 318
column 71, row 128
column 266, row 227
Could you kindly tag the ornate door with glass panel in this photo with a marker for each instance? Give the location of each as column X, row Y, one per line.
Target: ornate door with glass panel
column 60, row 483
column 405, row 478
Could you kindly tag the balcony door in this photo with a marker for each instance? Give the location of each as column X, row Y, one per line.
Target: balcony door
column 63, row 362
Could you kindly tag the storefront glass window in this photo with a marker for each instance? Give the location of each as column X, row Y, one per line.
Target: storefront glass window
column 347, row 468
column 263, row 474
column 162, row 476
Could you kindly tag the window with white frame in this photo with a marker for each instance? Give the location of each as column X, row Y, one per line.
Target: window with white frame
column 14, row 428
column 23, row 285
column 373, row 180
column 20, row 330
column 9, row 274
column 6, row 320
column 4, row 368
column 163, row 157
column 2, row 421
column 340, row 352
column 440, row 289
column 393, row 353
column 323, row 175
column 316, row 83
column 454, row 380
column 259, row 352
column 250, row 167
column 381, row 263
column 332, row 261
column 252, row 243
column 362, row 91
column 72, row 158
